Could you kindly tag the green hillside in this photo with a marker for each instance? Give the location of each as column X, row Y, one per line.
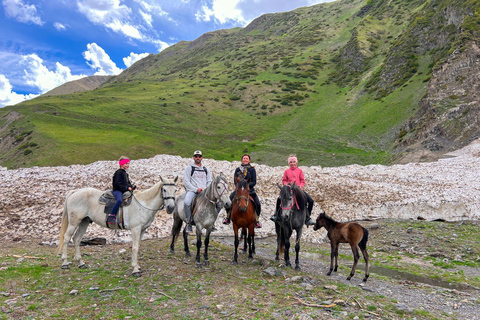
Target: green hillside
column 333, row 83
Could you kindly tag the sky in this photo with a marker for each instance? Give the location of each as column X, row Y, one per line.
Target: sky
column 45, row 43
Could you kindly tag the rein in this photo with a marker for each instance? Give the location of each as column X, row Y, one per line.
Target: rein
column 219, row 196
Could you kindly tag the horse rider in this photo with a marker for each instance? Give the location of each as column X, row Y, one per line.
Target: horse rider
column 247, row 171
column 121, row 184
column 291, row 175
column 196, row 178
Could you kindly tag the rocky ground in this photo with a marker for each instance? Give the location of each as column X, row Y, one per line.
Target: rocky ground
column 31, row 203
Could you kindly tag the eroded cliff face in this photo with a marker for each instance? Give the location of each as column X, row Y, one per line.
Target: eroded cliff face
column 449, row 114
column 31, row 201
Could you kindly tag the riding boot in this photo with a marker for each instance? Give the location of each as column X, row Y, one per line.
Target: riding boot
column 188, row 217
column 308, row 220
column 257, row 216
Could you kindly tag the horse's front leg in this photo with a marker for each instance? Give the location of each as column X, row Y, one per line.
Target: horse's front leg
column 244, row 235
column 207, row 241
column 297, row 251
column 136, row 237
column 250, row 241
column 185, row 242
column 199, row 245
column 236, row 242
column 287, row 234
column 77, row 238
column 279, row 234
column 332, row 257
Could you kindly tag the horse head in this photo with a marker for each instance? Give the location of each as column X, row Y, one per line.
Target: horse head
column 242, row 193
column 321, row 221
column 287, row 201
column 221, row 190
column 169, row 189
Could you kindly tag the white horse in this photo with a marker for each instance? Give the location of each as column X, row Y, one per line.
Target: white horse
column 82, row 207
column 205, row 215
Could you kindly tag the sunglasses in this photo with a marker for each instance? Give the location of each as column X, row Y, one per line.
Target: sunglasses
column 197, row 156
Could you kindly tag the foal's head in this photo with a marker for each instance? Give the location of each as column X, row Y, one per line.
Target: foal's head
column 322, row 221
column 242, row 193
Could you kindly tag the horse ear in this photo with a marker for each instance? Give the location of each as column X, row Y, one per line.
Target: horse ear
column 176, row 178
column 161, row 179
column 279, row 186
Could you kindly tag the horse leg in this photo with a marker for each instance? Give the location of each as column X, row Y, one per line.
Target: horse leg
column 199, row 245
column 185, row 243
column 236, row 242
column 279, row 235
column 66, row 239
column 333, row 248
column 77, row 238
column 251, row 233
column 356, row 257
column 244, row 235
column 287, row 235
column 176, row 227
column 136, row 237
column 297, row 251
column 365, row 256
column 207, row 241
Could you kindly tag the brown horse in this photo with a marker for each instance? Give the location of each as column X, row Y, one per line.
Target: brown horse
column 243, row 217
column 351, row 233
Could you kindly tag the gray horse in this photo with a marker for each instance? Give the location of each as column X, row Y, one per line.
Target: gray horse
column 206, row 213
column 291, row 215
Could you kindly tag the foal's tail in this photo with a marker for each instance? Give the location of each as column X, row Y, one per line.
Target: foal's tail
column 64, row 224
column 363, row 242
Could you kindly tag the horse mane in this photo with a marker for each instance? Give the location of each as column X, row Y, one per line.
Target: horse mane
column 300, row 196
column 150, row 192
column 328, row 218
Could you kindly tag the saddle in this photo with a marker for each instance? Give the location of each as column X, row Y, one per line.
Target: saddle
column 109, row 200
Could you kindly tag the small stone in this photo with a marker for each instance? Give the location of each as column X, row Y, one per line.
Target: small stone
column 73, row 292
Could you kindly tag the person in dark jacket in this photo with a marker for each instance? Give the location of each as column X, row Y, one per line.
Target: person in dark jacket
column 247, row 171
column 121, row 184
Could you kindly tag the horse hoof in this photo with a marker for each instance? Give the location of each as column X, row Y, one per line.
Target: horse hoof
column 198, row 264
column 329, row 273
column 66, row 266
column 297, row 268
column 234, row 262
column 348, row 278
column 206, row 262
column 82, row 266
column 172, row 251
column 188, row 254
column 137, row 274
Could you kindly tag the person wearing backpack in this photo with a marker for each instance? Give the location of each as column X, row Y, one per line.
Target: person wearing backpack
column 196, row 178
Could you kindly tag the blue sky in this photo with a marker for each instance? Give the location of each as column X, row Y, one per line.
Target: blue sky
column 45, row 43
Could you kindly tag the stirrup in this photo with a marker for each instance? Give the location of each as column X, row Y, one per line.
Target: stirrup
column 226, row 221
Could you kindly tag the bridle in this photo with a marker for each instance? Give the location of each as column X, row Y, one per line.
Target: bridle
column 294, row 201
column 163, row 197
column 219, row 195
column 237, row 198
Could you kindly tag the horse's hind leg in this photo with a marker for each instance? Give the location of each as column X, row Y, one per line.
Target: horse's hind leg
column 185, row 243
column 367, row 272
column 66, row 239
column 207, row 241
column 136, row 238
column 77, row 238
column 176, row 227
column 356, row 256
column 250, row 239
column 199, row 245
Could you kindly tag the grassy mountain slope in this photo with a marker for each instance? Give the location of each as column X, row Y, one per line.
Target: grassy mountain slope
column 335, row 83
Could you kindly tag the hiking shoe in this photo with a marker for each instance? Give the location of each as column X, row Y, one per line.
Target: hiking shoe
column 309, row 222
column 188, row 228
column 112, row 220
column 274, row 218
column 214, row 229
column 226, row 221
column 257, row 225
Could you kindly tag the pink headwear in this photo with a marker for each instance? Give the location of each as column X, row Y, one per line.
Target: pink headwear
column 123, row 161
column 292, row 158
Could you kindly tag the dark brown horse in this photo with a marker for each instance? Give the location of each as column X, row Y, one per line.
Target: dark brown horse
column 351, row 233
column 243, row 217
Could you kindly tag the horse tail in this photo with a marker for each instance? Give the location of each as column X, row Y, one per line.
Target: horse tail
column 64, row 224
column 363, row 242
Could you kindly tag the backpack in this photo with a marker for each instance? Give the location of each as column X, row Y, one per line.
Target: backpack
column 195, row 169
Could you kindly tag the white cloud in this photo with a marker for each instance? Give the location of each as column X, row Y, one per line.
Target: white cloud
column 37, row 74
column 133, row 57
column 152, row 8
column 59, row 26
column 21, row 11
column 7, row 96
column 147, row 17
column 125, row 28
column 99, row 60
column 221, row 11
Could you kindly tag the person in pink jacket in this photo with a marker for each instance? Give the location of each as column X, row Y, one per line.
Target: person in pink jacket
column 291, row 175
